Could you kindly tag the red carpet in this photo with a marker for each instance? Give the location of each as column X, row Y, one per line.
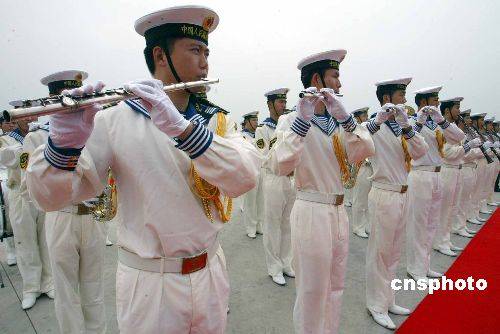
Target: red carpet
column 457, row 312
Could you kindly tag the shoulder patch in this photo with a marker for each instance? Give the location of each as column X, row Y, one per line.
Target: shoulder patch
column 260, row 143
column 271, row 143
column 23, row 160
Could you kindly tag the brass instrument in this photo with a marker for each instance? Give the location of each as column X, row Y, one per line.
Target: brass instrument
column 63, row 103
column 105, row 206
column 353, row 175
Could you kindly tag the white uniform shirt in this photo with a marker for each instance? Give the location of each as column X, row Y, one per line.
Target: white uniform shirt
column 160, row 215
column 388, row 163
column 452, row 134
column 313, row 157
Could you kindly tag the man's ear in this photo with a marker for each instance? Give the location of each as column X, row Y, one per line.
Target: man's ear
column 159, row 57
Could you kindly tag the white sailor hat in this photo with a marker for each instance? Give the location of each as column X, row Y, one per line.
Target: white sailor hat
column 454, row 100
column 64, row 80
column 429, row 91
column 393, row 84
column 322, row 60
column 194, row 22
column 275, row 94
column 465, row 112
column 490, row 119
column 360, row 111
column 250, row 114
column 477, row 115
column 496, row 122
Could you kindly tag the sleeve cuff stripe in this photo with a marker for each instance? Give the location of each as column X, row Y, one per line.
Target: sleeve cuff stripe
column 56, row 157
column 349, row 125
column 188, row 144
column 466, row 147
column 300, row 127
column 204, row 147
column 444, row 125
column 198, row 141
column 373, row 127
column 410, row 134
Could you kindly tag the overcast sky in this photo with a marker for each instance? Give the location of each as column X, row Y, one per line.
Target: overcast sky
column 257, row 45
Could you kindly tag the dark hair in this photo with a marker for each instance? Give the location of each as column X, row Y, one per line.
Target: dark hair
column 167, row 45
column 306, row 76
column 446, row 105
column 419, row 98
column 381, row 91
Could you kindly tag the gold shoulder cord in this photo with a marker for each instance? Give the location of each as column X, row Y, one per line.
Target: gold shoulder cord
column 209, row 193
column 407, row 155
column 341, row 156
column 440, row 141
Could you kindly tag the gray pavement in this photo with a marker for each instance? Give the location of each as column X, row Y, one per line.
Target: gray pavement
column 257, row 305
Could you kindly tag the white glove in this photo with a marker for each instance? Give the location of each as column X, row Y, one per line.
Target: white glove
column 73, row 129
column 486, row 145
column 306, row 105
column 402, row 116
column 475, row 143
column 496, row 144
column 422, row 116
column 164, row 114
column 436, row 115
column 333, row 105
column 385, row 112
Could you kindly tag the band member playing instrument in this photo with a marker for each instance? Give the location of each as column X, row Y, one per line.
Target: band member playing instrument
column 27, row 221
column 396, row 143
column 10, row 248
column 316, row 143
column 459, row 225
column 361, row 187
column 278, row 194
column 75, row 241
column 250, row 199
column 426, row 183
column 177, row 163
column 482, row 170
column 452, row 152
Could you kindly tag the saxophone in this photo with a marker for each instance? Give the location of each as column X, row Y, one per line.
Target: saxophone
column 353, row 174
column 106, row 204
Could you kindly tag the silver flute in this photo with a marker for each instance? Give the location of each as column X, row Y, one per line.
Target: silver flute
column 305, row 93
column 64, row 103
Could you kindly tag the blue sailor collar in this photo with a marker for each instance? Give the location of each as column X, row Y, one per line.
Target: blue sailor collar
column 16, row 134
column 193, row 113
column 431, row 124
column 326, row 123
column 395, row 127
column 269, row 122
column 252, row 134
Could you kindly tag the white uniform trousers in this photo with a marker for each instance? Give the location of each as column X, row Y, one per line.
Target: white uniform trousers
column 279, row 197
column 388, row 212
column 360, row 221
column 151, row 303
column 250, row 210
column 424, row 208
column 31, row 244
column 10, row 247
column 464, row 199
column 481, row 180
column 452, row 183
column 76, row 247
column 320, row 242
